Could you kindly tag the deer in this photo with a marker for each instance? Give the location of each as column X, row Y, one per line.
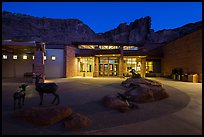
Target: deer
column 20, row 95
column 48, row 88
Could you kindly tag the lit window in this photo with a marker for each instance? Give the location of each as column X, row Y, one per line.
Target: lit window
column 33, row 57
column 149, row 66
column 85, row 64
column 14, row 56
column 4, row 56
column 130, row 48
column 44, row 57
column 53, row 57
column 25, row 57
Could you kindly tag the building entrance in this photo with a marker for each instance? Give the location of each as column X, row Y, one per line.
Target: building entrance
column 108, row 66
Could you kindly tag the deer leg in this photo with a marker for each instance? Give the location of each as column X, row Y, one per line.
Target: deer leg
column 58, row 101
column 56, row 97
column 19, row 102
column 41, row 98
column 14, row 104
column 23, row 100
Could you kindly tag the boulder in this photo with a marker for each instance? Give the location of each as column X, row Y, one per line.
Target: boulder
column 143, row 90
column 140, row 94
column 124, row 109
column 43, row 116
column 112, row 101
column 77, row 121
column 136, row 81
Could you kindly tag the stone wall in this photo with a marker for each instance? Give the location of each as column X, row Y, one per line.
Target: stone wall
column 96, row 67
column 71, row 61
column 185, row 53
column 39, row 65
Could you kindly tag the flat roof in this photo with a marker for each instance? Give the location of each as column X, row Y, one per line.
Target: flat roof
column 14, row 46
column 19, row 43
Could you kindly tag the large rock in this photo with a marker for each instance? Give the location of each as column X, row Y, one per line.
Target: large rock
column 43, row 116
column 143, row 90
column 77, row 121
column 136, row 81
column 113, row 102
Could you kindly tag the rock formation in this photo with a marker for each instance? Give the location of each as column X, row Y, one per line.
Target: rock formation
column 142, row 90
column 43, row 116
column 47, row 116
column 112, row 101
column 64, row 31
column 55, row 31
column 77, row 121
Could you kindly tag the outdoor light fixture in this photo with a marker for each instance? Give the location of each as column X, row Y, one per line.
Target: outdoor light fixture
column 25, row 57
column 53, row 57
column 4, row 56
column 44, row 57
column 14, row 56
column 33, row 57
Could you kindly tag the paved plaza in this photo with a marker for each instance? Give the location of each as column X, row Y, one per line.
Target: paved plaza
column 181, row 113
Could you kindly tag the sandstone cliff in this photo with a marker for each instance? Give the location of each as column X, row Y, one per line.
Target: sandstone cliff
column 64, row 31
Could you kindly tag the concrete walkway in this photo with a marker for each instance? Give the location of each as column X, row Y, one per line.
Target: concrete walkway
column 187, row 121
column 181, row 113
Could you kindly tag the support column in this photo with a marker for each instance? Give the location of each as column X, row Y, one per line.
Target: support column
column 39, row 65
column 121, row 63
column 71, row 62
column 96, row 67
column 143, row 68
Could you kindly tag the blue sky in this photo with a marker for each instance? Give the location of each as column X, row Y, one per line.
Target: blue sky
column 104, row 16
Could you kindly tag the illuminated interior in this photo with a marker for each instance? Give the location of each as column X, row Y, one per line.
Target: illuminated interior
column 130, row 48
column 132, row 63
column 149, row 66
column 108, row 66
column 85, row 64
column 87, row 46
column 106, row 47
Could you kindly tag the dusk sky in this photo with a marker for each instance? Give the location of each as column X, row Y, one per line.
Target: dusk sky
column 104, row 16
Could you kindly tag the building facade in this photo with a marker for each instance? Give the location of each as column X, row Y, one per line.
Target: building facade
column 104, row 59
column 97, row 59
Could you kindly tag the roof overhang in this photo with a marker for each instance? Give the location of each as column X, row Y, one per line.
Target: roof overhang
column 105, row 43
column 10, row 46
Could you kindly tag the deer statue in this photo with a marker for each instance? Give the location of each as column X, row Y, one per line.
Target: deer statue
column 20, row 95
column 48, row 88
column 134, row 75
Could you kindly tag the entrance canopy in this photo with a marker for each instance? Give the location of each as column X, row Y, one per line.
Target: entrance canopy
column 102, row 48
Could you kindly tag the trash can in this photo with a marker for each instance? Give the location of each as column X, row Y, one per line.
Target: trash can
column 195, row 78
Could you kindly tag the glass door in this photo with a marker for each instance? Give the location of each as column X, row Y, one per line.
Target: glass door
column 108, row 66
